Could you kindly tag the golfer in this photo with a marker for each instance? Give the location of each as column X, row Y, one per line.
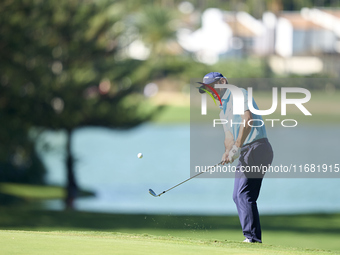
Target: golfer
column 246, row 140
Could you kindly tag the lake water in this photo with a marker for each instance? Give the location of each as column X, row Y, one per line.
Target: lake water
column 107, row 164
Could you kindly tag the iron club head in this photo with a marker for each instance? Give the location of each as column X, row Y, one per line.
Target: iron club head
column 152, row 193
column 155, row 195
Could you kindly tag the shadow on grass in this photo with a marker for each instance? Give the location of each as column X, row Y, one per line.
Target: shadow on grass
column 23, row 218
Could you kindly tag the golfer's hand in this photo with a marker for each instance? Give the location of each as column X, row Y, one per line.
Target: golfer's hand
column 225, row 159
column 234, row 153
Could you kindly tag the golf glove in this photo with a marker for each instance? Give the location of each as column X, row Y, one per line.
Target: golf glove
column 234, row 153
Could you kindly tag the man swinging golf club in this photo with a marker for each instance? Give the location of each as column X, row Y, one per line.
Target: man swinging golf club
column 247, row 140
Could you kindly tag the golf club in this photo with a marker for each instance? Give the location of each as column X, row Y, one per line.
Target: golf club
column 155, row 195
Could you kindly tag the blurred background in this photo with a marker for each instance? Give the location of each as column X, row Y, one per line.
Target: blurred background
column 87, row 85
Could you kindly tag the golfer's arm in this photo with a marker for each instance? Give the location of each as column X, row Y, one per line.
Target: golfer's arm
column 228, row 141
column 244, row 129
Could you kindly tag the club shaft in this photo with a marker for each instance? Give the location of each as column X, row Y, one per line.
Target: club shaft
column 189, row 179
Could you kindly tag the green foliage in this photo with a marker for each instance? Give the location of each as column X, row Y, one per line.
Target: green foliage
column 59, row 70
column 156, row 29
column 58, row 56
column 242, row 68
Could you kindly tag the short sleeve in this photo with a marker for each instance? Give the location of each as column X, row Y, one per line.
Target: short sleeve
column 245, row 94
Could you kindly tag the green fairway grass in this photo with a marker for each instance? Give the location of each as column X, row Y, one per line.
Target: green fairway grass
column 174, row 114
column 75, row 242
column 36, row 192
column 303, row 233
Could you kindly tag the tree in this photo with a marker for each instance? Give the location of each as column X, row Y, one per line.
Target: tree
column 60, row 69
column 156, row 28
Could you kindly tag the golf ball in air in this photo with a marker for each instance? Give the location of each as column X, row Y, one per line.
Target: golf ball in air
column 140, row 155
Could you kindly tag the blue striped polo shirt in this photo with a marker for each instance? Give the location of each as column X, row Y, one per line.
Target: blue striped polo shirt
column 258, row 131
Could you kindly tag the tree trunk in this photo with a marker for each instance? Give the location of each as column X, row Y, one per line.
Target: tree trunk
column 71, row 185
